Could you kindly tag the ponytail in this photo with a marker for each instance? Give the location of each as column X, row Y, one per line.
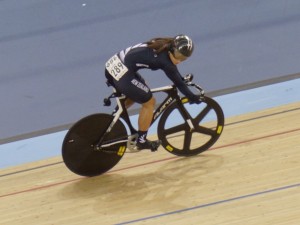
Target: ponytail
column 160, row 44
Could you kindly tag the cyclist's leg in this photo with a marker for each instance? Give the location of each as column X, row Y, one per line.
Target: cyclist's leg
column 134, row 87
column 136, row 90
column 146, row 114
column 128, row 103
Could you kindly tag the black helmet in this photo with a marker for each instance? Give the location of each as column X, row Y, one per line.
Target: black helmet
column 183, row 44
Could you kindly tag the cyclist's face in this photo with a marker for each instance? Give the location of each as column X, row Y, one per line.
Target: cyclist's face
column 177, row 57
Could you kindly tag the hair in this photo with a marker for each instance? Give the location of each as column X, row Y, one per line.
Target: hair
column 161, row 44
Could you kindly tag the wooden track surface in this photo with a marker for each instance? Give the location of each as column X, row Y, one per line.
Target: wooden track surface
column 251, row 176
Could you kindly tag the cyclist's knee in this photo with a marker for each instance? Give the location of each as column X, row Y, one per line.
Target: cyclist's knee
column 150, row 103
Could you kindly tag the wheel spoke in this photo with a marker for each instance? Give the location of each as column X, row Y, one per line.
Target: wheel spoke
column 187, row 141
column 175, row 129
column 205, row 130
column 202, row 114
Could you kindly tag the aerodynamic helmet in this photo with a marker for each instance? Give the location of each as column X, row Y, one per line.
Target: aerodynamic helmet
column 183, row 44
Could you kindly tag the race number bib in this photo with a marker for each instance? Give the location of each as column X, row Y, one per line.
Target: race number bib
column 115, row 67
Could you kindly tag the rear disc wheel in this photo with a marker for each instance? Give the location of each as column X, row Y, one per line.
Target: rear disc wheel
column 78, row 149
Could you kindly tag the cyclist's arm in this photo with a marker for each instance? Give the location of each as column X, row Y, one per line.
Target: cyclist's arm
column 174, row 75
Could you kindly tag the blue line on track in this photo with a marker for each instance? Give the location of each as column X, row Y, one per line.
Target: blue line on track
column 211, row 204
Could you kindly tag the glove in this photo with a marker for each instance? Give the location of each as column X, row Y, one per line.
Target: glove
column 195, row 99
column 188, row 78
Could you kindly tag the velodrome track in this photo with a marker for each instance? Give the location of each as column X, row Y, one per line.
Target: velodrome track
column 51, row 57
column 250, row 176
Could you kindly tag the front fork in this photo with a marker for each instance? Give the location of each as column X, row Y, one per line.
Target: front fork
column 185, row 114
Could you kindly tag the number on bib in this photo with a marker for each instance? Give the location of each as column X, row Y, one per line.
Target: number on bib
column 115, row 67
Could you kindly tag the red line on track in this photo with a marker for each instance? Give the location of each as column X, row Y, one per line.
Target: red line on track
column 149, row 163
column 258, row 138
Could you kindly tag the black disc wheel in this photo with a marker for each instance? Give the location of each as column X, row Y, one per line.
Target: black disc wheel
column 174, row 129
column 78, row 149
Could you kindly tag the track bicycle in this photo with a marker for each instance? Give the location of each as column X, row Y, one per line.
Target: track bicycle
column 96, row 143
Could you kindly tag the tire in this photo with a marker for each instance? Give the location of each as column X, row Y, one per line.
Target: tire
column 78, row 151
column 174, row 130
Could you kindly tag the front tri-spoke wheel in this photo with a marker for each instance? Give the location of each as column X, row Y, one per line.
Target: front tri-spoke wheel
column 190, row 136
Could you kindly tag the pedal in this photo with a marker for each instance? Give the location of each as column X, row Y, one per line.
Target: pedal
column 132, row 147
column 155, row 145
column 131, row 144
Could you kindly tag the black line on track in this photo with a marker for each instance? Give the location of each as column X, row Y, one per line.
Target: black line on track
column 30, row 169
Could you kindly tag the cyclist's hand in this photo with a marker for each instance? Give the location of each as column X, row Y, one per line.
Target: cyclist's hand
column 195, row 99
column 188, row 78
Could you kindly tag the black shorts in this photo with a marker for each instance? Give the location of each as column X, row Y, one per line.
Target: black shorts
column 132, row 85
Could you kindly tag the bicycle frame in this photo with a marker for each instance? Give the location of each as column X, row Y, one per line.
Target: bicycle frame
column 97, row 142
column 172, row 96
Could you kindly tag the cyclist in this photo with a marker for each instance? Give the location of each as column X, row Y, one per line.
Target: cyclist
column 121, row 70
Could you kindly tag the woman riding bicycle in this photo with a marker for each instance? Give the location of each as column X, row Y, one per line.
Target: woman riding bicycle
column 158, row 53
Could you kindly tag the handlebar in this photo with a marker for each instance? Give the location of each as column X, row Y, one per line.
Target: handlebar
column 188, row 80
